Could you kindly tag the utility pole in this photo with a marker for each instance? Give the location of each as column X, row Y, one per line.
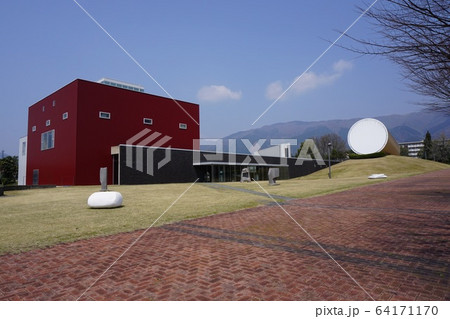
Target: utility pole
column 329, row 160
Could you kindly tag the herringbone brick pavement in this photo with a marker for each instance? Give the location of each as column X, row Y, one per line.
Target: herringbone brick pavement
column 392, row 238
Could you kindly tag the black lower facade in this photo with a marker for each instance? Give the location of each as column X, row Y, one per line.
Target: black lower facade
column 150, row 165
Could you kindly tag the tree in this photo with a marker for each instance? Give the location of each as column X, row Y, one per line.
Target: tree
column 415, row 35
column 427, row 147
column 9, row 167
column 338, row 146
column 441, row 149
column 404, row 150
column 309, row 151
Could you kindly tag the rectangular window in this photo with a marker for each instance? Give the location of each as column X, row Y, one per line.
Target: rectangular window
column 182, row 126
column 47, row 123
column 104, row 115
column 54, row 103
column 35, row 177
column 47, row 140
column 33, row 129
column 24, row 148
column 148, row 121
column 65, row 115
column 43, row 108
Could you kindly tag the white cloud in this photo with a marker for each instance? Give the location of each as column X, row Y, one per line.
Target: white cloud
column 215, row 93
column 308, row 81
column 274, row 90
column 341, row 66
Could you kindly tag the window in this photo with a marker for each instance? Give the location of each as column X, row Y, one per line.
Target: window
column 148, row 121
column 182, row 126
column 33, row 129
column 35, row 177
column 54, row 103
column 47, row 140
column 43, row 108
column 65, row 116
column 47, row 123
column 104, row 115
column 24, row 148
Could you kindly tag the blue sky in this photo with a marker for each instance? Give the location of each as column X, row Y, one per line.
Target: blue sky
column 231, row 57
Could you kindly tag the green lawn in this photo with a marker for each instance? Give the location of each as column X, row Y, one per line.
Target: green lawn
column 392, row 166
column 347, row 175
column 44, row 217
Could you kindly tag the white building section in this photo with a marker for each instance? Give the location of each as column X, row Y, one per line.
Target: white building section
column 413, row 147
column 22, row 175
column 369, row 136
column 122, row 85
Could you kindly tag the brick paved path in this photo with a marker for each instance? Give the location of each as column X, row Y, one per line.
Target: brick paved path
column 391, row 237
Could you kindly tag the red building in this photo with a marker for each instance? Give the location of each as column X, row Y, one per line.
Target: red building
column 71, row 131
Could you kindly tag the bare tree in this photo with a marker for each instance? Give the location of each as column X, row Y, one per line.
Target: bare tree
column 415, row 35
column 338, row 146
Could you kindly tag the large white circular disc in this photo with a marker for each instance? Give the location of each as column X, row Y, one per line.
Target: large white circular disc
column 367, row 136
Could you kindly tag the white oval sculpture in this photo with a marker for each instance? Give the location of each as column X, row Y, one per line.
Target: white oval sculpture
column 377, row 176
column 105, row 200
column 369, row 136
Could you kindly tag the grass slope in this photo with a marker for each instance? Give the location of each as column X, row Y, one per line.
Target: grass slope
column 347, row 175
column 44, row 217
column 392, row 166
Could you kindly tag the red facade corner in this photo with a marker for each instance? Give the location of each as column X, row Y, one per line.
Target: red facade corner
column 71, row 131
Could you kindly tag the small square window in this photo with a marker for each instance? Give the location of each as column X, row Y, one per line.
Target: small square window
column 148, row 121
column 182, row 126
column 33, row 128
column 65, row 115
column 104, row 115
column 47, row 123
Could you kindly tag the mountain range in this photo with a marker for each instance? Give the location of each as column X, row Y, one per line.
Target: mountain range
column 404, row 128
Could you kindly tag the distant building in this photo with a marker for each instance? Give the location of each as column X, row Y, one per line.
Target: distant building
column 413, row 147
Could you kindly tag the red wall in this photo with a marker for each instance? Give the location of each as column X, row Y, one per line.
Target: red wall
column 83, row 142
column 56, row 166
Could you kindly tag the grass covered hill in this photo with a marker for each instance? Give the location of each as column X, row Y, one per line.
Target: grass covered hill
column 39, row 218
column 392, row 166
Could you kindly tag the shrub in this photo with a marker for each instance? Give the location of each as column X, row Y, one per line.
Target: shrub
column 373, row 155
